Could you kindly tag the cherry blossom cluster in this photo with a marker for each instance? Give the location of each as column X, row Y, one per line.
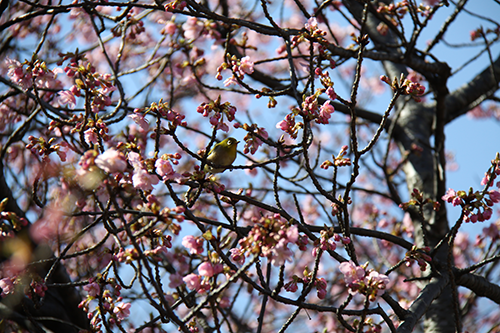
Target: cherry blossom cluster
column 127, row 255
column 216, row 112
column 195, row 28
column 201, row 281
column 161, row 108
column 141, row 178
column 421, row 256
column 326, row 81
column 163, row 166
column 209, row 268
column 400, row 9
column 36, row 289
column 311, row 30
column 133, row 25
column 239, row 67
column 338, row 161
column 87, row 81
column 95, row 130
column 336, row 207
column 406, row 86
column 86, row 160
column 268, row 238
column 289, row 126
column 35, row 73
column 418, row 200
column 253, row 138
column 193, row 244
column 44, row 148
column 328, row 241
column 310, row 111
column 310, row 107
column 492, row 173
column 319, row 283
column 139, row 119
column 110, row 302
column 360, row 280
column 158, row 252
column 113, row 161
column 476, row 205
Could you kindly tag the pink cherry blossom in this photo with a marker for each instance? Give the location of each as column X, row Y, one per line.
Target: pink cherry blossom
column 253, row 142
column 231, row 81
column 90, row 136
column 284, row 125
column 92, row 289
column 67, row 97
column 192, row 28
column 292, row 234
column 325, row 113
column 218, row 268
column 7, row 286
column 377, row 281
column 451, row 196
column 494, row 196
column 291, row 286
column 144, row 180
column 122, row 310
column 17, row 73
column 487, row 214
column 135, row 160
column 312, row 24
column 246, row 66
column 194, row 244
column 111, row 161
column 206, row 269
column 237, row 255
column 170, row 28
column 351, row 271
column 140, row 120
column 331, row 93
column 320, row 288
column 164, row 168
column 192, row 281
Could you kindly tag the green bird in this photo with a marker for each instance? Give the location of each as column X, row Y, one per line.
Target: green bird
column 222, row 155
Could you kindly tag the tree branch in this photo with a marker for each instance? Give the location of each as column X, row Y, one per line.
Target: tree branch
column 471, row 94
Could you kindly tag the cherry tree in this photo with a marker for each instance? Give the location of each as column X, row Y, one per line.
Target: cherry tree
column 333, row 217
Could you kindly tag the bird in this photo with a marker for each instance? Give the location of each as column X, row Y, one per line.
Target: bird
column 222, row 155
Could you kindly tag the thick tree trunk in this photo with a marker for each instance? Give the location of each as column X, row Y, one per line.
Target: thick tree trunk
column 424, row 169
